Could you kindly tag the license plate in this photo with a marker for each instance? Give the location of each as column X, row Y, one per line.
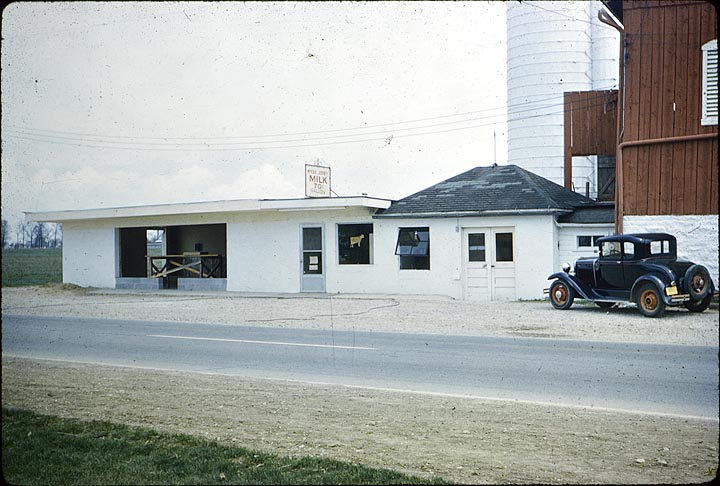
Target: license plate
column 671, row 291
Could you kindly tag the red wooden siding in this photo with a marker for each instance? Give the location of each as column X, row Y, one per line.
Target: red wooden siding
column 590, row 117
column 663, row 87
column 590, row 126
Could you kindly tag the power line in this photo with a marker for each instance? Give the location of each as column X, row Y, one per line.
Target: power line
column 119, row 139
column 217, row 148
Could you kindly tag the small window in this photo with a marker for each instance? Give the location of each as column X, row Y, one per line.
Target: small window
column 312, row 239
column 476, row 247
column 586, row 241
column 710, row 83
column 503, row 247
column 628, row 250
column 355, row 244
column 660, row 247
column 413, row 247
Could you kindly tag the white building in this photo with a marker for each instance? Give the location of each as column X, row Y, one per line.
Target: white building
column 491, row 233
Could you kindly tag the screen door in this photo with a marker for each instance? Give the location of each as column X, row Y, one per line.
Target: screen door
column 312, row 263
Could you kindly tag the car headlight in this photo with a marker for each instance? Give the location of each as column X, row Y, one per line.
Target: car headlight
column 566, row 267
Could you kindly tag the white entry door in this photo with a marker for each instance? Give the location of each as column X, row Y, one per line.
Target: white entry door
column 489, row 263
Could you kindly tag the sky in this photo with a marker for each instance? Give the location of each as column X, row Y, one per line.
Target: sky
column 125, row 104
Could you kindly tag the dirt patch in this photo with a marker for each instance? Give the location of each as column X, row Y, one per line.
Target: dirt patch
column 461, row 439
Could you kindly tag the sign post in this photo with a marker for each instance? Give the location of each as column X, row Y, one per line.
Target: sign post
column 317, row 181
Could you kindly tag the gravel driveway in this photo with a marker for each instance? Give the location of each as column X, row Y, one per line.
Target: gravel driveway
column 391, row 313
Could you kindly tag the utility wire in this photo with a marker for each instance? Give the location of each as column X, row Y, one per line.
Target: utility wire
column 96, row 138
column 209, row 148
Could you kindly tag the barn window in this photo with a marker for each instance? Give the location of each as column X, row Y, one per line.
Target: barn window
column 710, row 84
column 413, row 247
column 355, row 244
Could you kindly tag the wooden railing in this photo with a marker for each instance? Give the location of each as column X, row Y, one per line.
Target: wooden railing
column 188, row 264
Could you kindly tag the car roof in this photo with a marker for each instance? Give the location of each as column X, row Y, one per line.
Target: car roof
column 637, row 237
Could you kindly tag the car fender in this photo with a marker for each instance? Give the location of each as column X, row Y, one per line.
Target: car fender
column 573, row 282
column 663, row 270
column 655, row 280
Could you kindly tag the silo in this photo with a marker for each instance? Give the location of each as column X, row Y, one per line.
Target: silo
column 554, row 47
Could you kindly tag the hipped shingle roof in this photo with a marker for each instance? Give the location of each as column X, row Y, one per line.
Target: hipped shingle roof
column 506, row 189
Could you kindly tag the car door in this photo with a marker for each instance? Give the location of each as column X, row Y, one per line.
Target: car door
column 609, row 273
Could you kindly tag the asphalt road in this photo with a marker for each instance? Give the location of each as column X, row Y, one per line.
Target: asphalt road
column 677, row 380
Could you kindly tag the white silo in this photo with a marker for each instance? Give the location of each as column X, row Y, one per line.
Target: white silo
column 554, row 47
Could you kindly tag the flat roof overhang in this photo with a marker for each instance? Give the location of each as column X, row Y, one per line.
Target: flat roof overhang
column 210, row 207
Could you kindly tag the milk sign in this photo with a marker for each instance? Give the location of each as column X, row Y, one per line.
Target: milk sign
column 317, row 181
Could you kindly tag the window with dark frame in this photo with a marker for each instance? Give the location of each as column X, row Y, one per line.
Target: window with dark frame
column 587, row 241
column 355, row 242
column 413, row 248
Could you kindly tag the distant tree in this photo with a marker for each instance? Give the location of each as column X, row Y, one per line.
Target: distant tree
column 154, row 235
column 39, row 235
column 5, row 231
column 56, row 234
column 22, row 232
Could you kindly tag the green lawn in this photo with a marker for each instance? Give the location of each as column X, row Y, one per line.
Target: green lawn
column 40, row 449
column 31, row 266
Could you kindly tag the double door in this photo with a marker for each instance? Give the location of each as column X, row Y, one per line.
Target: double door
column 489, row 263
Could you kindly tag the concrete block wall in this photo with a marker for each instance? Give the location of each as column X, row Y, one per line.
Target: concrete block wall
column 697, row 236
column 138, row 283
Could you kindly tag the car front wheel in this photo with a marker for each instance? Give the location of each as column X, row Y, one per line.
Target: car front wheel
column 649, row 301
column 698, row 305
column 561, row 295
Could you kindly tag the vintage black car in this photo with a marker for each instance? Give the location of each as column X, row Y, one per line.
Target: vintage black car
column 640, row 268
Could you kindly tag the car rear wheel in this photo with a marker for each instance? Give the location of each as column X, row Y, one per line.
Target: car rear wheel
column 561, row 295
column 697, row 282
column 698, row 305
column 649, row 301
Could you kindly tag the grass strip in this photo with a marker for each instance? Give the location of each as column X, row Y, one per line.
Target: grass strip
column 31, row 266
column 41, row 449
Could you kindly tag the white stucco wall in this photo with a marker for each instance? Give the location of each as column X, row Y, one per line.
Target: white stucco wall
column 568, row 249
column 89, row 254
column 533, row 247
column 697, row 236
column 263, row 251
column 90, row 247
